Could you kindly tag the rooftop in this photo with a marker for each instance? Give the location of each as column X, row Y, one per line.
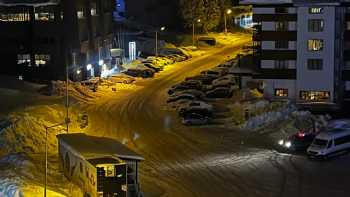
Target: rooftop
column 92, row 147
column 28, row 2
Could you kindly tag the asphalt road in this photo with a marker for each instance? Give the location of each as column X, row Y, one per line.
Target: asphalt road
column 193, row 161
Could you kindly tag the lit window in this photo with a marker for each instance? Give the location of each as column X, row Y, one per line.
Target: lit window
column 315, row 25
column 280, row 92
column 15, row 17
column 315, row 10
column 93, row 12
column 23, row 58
column 315, row 95
column 41, row 59
column 80, row 14
column 315, row 45
column 314, row 64
column 44, row 14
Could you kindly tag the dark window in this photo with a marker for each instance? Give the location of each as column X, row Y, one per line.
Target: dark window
column 281, row 26
column 314, row 64
column 281, row 64
column 81, row 167
column 330, row 144
column 315, row 25
column 281, row 10
column 342, row 140
column 315, row 10
column 280, row 92
column 281, row 44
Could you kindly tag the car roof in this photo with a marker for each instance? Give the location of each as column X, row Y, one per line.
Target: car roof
column 333, row 133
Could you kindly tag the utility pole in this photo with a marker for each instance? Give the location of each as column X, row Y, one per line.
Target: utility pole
column 156, row 43
column 67, row 98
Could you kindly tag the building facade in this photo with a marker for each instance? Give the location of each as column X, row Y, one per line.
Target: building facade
column 41, row 38
column 303, row 50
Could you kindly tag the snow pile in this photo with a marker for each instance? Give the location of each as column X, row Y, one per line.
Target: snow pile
column 75, row 89
column 267, row 118
column 25, row 131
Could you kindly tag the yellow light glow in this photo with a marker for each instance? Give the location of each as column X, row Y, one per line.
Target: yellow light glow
column 229, row 11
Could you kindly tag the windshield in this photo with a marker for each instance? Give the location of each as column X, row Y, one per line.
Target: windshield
column 320, row 142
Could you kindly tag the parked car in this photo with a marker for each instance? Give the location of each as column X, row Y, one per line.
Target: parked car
column 153, row 67
column 179, row 97
column 297, row 142
column 214, row 73
column 195, row 119
column 195, row 105
column 121, row 78
column 91, row 84
column 227, row 79
column 193, row 84
column 205, row 79
column 220, row 92
column 179, row 103
column 140, row 72
column 197, row 93
column 223, row 85
column 182, row 87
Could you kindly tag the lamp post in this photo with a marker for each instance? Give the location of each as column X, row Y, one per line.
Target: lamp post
column 66, row 122
column 193, row 31
column 161, row 29
column 228, row 12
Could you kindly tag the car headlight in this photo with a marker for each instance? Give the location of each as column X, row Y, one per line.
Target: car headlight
column 288, row 144
column 281, row 142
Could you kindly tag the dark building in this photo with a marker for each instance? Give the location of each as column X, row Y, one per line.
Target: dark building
column 39, row 38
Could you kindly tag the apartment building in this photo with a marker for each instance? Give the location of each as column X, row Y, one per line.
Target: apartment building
column 40, row 38
column 303, row 50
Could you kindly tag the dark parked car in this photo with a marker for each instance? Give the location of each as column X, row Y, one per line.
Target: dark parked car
column 203, row 112
column 179, row 97
column 153, row 67
column 297, row 142
column 205, row 79
column 195, row 119
column 220, row 92
column 145, row 73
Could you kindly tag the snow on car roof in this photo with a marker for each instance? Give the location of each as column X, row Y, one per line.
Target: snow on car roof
column 29, row 2
column 98, row 147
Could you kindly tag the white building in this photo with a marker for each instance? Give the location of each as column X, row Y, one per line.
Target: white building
column 303, row 49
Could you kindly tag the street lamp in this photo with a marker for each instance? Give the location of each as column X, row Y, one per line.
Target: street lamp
column 193, row 30
column 161, row 29
column 228, row 12
column 66, row 122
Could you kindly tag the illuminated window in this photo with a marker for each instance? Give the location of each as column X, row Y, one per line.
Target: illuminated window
column 315, row 10
column 315, row 25
column 44, row 14
column 80, row 14
column 15, row 17
column 280, row 92
column 42, row 59
column 23, row 58
column 314, row 64
column 315, row 45
column 315, row 95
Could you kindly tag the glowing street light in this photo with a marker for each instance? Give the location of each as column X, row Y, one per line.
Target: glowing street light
column 88, row 67
column 193, row 30
column 161, row 29
column 228, row 12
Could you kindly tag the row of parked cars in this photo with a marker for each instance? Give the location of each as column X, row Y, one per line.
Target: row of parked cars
column 191, row 98
column 151, row 65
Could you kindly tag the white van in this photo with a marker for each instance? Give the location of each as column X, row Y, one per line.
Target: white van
column 330, row 142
